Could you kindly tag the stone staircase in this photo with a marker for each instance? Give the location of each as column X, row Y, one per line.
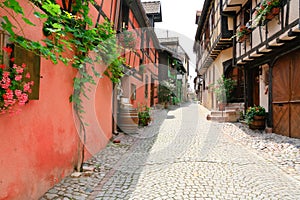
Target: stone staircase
column 230, row 114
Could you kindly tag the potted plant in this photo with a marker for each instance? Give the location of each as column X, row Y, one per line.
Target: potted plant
column 255, row 117
column 242, row 33
column 223, row 89
column 267, row 10
column 144, row 115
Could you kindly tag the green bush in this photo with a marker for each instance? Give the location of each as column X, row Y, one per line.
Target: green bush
column 144, row 115
column 254, row 111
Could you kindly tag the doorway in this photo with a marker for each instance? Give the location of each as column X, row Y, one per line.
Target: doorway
column 286, row 95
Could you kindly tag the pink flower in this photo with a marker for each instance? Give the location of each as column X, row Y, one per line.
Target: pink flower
column 19, row 70
column 18, row 77
column 9, row 95
column 18, row 93
column 27, row 75
column 5, row 82
column 23, row 65
column 26, row 87
column 6, row 74
column 9, row 102
column 23, row 99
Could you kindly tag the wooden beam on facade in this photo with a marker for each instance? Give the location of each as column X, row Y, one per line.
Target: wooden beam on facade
column 255, row 55
column 264, row 50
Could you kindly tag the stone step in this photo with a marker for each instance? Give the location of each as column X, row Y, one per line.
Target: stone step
column 223, row 113
column 224, row 116
column 222, row 119
column 235, row 106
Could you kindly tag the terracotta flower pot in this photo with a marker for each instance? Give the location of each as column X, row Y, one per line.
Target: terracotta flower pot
column 242, row 39
column 272, row 13
column 222, row 106
column 269, row 16
column 275, row 11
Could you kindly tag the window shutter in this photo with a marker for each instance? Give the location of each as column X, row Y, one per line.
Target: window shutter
column 32, row 62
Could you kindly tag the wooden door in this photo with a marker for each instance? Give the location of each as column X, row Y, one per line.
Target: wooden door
column 286, row 95
column 295, row 96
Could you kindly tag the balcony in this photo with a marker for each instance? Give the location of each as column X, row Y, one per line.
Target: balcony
column 272, row 38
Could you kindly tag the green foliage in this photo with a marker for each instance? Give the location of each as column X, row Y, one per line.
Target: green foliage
column 166, row 90
column 70, row 32
column 243, row 30
column 223, row 89
column 144, row 115
column 254, row 111
column 127, row 39
column 264, row 8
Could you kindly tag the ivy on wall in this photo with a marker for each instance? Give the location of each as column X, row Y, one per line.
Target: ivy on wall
column 65, row 31
column 68, row 31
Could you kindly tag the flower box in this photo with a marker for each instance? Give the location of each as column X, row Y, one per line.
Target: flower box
column 242, row 33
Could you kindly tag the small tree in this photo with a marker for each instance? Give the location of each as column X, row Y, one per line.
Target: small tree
column 166, row 90
column 223, row 89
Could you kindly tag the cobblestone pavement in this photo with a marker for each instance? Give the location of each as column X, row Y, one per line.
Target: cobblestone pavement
column 181, row 156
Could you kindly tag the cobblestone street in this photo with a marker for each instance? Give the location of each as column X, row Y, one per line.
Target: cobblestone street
column 184, row 156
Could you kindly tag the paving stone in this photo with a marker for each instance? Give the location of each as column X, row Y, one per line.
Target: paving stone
column 184, row 156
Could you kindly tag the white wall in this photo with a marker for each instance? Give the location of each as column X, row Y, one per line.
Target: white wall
column 263, row 88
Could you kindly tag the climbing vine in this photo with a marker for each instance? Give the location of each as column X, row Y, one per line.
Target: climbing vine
column 69, row 31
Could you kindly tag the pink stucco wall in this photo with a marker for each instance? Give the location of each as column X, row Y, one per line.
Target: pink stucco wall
column 39, row 146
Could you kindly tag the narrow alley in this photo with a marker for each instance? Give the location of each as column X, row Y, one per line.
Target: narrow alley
column 182, row 156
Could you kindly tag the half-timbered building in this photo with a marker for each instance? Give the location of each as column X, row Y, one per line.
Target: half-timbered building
column 214, row 51
column 269, row 57
column 260, row 52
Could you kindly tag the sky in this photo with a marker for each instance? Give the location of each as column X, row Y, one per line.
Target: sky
column 178, row 17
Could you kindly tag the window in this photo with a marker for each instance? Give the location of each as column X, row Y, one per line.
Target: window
column 21, row 56
column 124, row 17
column 32, row 62
column 246, row 14
column 146, row 86
column 133, row 92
